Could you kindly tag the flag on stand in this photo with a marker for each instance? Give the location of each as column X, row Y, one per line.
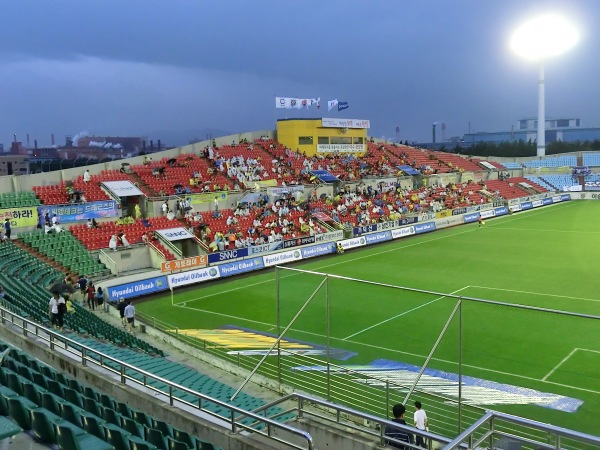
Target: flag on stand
column 331, row 104
column 296, row 103
column 342, row 105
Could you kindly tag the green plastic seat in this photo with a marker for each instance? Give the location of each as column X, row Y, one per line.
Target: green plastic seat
column 19, row 410
column 155, row 438
column 132, row 427
column 43, row 425
column 176, row 445
column 116, row 436
column 69, row 438
column 94, row 425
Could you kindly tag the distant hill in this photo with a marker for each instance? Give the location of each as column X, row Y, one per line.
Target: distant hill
column 176, row 138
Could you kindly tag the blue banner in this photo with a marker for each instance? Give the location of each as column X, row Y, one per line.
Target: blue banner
column 526, row 205
column 227, row 254
column 80, row 211
column 378, row 237
column 502, row 211
column 137, row 288
column 365, row 229
column 459, row 211
column 234, row 268
column 565, row 197
column 317, row 250
column 547, row 201
column 471, row 217
column 424, row 227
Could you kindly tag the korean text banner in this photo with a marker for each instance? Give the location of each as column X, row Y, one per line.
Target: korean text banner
column 81, row 211
column 20, row 217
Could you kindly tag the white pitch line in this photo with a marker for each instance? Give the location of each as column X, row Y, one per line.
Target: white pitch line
column 588, row 350
column 402, row 314
column 504, row 219
column 395, row 249
column 548, row 231
column 378, row 347
column 560, row 364
column 537, row 293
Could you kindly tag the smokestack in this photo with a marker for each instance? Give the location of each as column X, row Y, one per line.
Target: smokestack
column 35, row 143
column 14, row 138
column 159, row 145
column 144, row 146
column 52, row 138
column 434, row 125
column 27, row 140
column 151, row 144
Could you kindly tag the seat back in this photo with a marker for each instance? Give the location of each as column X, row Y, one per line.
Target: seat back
column 42, row 426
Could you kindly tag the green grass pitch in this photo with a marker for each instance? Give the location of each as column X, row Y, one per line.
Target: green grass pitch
column 544, row 258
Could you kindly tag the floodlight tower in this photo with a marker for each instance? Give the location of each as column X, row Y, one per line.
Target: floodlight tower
column 539, row 39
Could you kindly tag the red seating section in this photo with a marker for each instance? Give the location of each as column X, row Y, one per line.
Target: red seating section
column 97, row 238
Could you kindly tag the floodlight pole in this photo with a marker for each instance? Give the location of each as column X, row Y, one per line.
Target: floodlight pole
column 541, row 125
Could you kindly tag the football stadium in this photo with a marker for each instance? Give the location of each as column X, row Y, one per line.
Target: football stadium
column 286, row 288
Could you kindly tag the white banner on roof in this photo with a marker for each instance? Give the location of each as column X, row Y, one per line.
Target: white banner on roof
column 122, row 188
column 345, row 123
column 175, row 234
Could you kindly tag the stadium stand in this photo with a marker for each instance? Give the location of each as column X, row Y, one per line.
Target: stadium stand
column 591, row 159
column 560, row 161
column 18, row 199
column 65, row 249
column 97, row 238
column 19, row 269
column 541, row 181
column 559, row 181
column 512, row 165
column 60, row 410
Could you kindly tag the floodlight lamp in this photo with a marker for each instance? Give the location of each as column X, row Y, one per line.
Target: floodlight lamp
column 544, row 37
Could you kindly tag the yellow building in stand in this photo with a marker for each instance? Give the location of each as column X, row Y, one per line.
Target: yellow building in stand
column 324, row 136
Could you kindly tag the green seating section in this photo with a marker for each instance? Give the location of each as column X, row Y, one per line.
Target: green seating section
column 27, row 294
column 18, row 199
column 65, row 249
column 60, row 411
column 184, row 376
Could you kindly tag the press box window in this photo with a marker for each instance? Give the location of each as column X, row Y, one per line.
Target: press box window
column 305, row 140
column 358, row 140
column 323, row 139
column 341, row 140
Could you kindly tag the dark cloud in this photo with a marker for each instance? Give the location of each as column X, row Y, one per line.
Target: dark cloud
column 130, row 67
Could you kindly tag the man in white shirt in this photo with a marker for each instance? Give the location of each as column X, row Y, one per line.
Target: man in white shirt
column 129, row 314
column 421, row 423
column 56, row 310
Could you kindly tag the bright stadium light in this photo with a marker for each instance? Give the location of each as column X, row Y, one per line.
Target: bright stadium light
column 539, row 39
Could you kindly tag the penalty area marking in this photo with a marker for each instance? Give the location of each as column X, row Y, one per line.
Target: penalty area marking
column 537, row 293
column 403, row 314
column 566, row 358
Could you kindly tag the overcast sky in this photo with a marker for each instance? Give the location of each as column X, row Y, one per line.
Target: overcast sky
column 135, row 67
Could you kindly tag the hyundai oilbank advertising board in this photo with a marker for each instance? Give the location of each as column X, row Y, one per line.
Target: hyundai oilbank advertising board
column 282, row 258
column 193, row 276
column 137, row 288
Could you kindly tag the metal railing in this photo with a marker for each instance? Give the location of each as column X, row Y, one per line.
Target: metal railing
column 493, row 426
column 308, row 406
column 127, row 373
